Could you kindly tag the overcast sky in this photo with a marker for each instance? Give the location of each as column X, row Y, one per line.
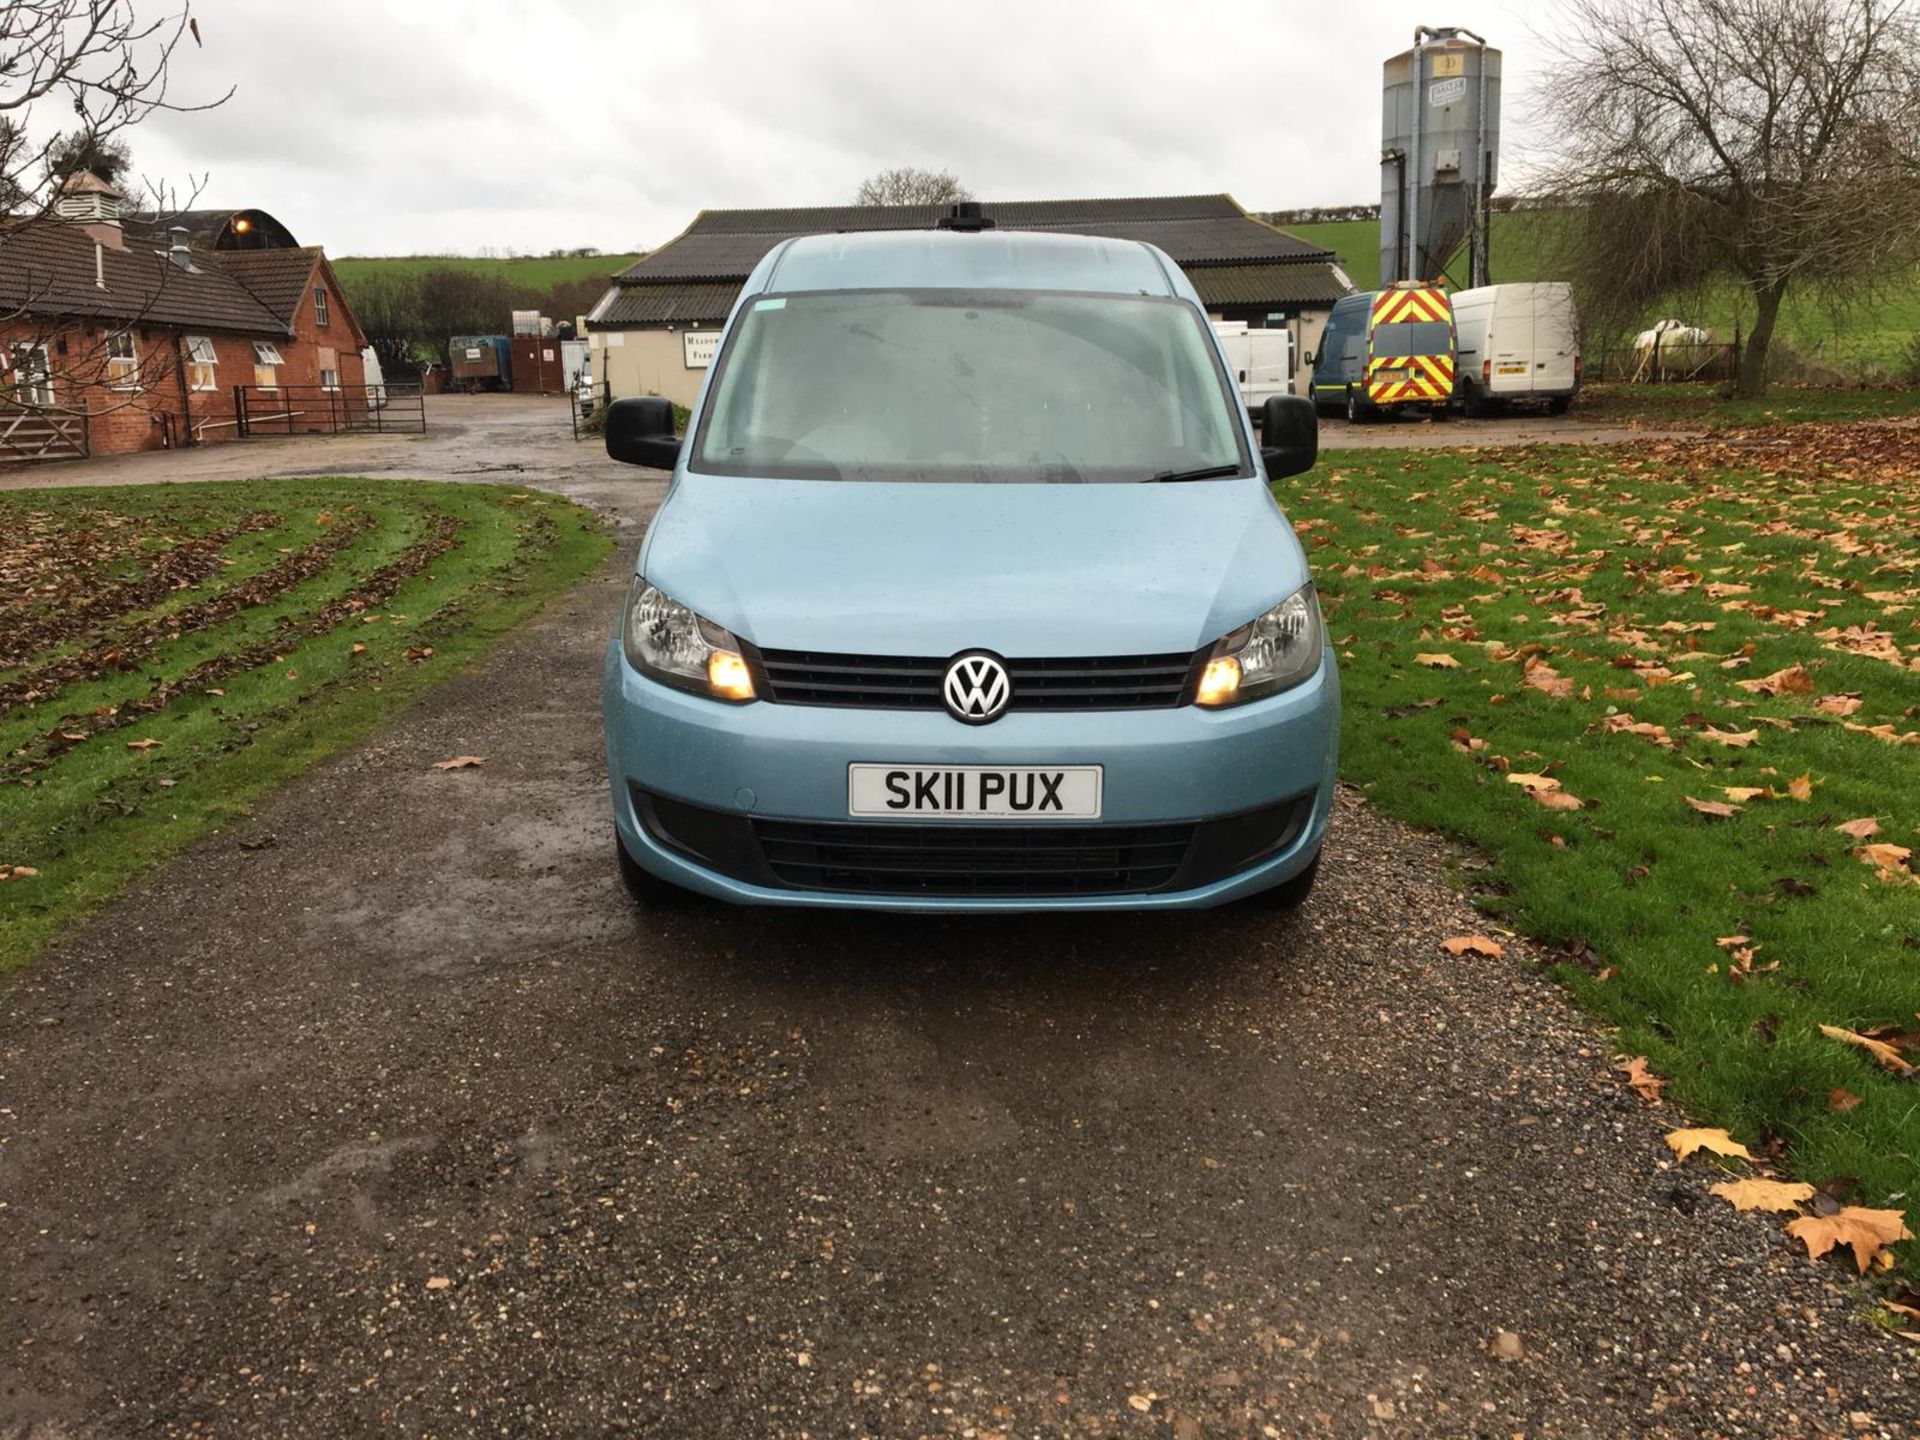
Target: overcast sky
column 378, row 128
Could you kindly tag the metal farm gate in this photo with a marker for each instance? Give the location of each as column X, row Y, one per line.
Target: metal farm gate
column 31, row 433
column 260, row 411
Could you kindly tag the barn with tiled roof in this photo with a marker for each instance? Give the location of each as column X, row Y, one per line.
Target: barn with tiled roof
column 1244, row 269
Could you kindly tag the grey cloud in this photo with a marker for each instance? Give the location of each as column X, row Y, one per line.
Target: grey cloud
column 375, row 128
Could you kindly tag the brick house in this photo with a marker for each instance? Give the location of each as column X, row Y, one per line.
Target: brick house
column 122, row 332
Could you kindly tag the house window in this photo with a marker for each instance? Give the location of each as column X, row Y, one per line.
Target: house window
column 319, row 304
column 200, row 363
column 32, row 381
column 123, row 361
column 329, row 369
column 266, row 365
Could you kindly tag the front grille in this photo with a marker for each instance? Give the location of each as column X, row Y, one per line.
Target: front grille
column 912, row 682
column 980, row 859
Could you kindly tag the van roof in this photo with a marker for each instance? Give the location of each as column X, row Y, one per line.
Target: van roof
column 955, row 260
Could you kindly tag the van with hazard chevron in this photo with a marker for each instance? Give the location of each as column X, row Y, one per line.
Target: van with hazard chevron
column 1384, row 351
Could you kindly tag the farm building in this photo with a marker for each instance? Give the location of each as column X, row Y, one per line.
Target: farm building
column 654, row 331
column 135, row 332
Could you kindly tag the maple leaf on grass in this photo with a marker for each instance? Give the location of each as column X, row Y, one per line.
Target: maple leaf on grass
column 1684, row 1142
column 1865, row 828
column 1794, row 680
column 1863, row 1231
column 1437, row 662
column 1777, row 1196
column 1734, row 739
column 1549, row 681
column 1888, row 861
column 1884, row 1054
column 1838, row 704
column 1712, row 807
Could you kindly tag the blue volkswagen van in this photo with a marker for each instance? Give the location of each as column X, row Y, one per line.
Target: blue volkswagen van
column 969, row 592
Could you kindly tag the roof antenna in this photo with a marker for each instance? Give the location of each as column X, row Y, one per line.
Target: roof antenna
column 965, row 216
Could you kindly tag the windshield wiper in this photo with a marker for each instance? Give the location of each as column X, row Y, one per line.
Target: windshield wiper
column 1205, row 472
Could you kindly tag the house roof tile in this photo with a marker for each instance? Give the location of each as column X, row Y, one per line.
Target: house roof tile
column 47, row 267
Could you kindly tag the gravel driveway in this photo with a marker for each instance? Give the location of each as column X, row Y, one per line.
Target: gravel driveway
column 387, row 1113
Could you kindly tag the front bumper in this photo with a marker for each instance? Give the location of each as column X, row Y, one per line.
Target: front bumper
column 764, row 769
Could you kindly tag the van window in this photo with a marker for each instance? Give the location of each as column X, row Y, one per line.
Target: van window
column 963, row 385
column 1413, row 337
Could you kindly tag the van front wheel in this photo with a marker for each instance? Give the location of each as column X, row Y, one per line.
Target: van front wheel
column 1356, row 411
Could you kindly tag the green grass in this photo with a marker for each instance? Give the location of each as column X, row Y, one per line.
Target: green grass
column 1872, row 338
column 1702, row 405
column 535, row 272
column 222, row 621
column 1591, row 560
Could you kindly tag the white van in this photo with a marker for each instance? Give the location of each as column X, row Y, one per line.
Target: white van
column 375, row 378
column 1516, row 343
column 1261, row 360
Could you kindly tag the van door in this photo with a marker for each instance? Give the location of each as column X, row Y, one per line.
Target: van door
column 1269, row 366
column 1510, row 341
column 1556, row 339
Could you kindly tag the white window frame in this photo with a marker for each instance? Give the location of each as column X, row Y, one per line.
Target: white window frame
column 320, row 305
column 267, row 362
column 32, row 377
column 123, row 371
column 201, row 363
column 328, row 362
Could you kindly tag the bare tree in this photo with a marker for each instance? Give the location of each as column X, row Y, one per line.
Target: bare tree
column 909, row 185
column 1770, row 143
column 100, row 67
column 75, row 75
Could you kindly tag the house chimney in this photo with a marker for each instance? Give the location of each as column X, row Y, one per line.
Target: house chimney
column 180, row 253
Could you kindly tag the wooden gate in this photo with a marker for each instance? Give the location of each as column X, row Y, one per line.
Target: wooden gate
column 27, row 433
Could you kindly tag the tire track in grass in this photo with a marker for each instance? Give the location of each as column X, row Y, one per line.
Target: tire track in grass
column 376, row 589
column 185, row 564
column 38, row 686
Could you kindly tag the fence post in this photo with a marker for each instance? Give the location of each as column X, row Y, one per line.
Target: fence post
column 240, row 427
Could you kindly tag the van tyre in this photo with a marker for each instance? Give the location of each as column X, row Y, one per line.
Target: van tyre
column 646, row 888
column 1356, row 408
column 1559, row 404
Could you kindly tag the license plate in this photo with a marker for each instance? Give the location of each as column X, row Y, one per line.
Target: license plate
column 1512, row 369
column 974, row 792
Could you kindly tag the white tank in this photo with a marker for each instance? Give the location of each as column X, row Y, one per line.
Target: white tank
column 1439, row 147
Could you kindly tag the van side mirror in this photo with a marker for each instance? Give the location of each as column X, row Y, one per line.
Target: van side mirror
column 1308, row 358
column 640, row 431
column 1289, row 435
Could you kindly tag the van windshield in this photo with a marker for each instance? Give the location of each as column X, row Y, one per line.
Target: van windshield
column 1414, row 337
column 1027, row 386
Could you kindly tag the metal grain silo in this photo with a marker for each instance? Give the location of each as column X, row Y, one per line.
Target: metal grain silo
column 1439, row 142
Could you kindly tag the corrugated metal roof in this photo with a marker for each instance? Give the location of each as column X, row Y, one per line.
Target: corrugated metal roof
column 1316, row 283
column 1195, row 230
column 663, row 304
column 1276, row 285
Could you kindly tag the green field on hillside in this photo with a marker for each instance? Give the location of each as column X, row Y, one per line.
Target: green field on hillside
column 535, row 272
column 1873, row 337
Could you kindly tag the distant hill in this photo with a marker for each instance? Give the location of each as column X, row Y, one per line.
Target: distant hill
column 537, row 272
column 1869, row 338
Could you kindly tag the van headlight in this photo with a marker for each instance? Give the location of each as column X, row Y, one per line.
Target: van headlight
column 1270, row 653
column 666, row 640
